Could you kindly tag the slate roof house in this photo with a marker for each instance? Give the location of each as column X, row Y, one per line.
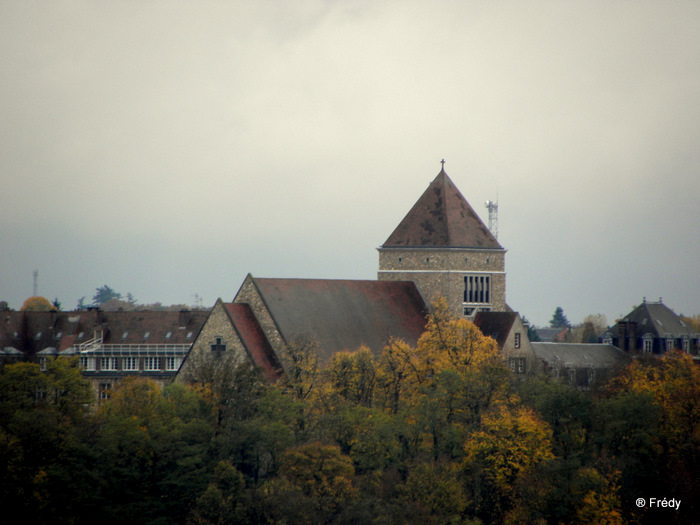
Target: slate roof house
column 653, row 328
column 583, row 365
column 110, row 345
column 509, row 331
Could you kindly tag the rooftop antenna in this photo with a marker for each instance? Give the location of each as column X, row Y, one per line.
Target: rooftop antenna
column 493, row 217
column 36, row 283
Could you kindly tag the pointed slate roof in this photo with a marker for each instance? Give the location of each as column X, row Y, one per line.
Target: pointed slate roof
column 658, row 319
column 442, row 217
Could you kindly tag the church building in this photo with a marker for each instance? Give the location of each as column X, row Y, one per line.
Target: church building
column 443, row 246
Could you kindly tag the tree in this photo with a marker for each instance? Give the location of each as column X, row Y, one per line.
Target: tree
column 509, row 444
column 315, row 484
column 104, row 294
column 37, row 304
column 559, row 320
column 44, row 436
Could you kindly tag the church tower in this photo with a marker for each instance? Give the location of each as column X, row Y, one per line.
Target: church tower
column 443, row 246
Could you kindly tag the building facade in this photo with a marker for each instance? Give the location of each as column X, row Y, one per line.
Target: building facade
column 443, row 246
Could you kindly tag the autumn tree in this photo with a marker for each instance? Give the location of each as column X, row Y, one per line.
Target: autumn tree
column 44, row 440
column 509, row 444
column 315, row 485
column 37, row 304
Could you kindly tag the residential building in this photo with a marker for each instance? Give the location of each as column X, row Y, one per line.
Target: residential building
column 653, row 328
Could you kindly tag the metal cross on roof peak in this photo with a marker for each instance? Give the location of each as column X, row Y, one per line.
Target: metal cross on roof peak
column 443, row 163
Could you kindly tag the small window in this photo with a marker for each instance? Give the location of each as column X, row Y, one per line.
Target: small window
column 58, row 335
column 173, row 363
column 647, row 345
column 218, row 346
column 669, row 344
column 37, row 336
column 151, row 363
column 572, row 376
column 105, row 390
column 146, row 335
column 88, row 363
column 167, row 336
column 427, row 259
column 189, row 335
column 108, row 363
column 130, row 363
column 80, row 335
column 124, row 335
column 517, row 340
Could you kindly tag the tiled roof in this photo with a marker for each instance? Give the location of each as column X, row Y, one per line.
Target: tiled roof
column 496, row 325
column 253, row 338
column 580, row 355
column 345, row 314
column 33, row 332
column 442, row 217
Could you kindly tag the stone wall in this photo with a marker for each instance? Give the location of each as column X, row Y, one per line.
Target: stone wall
column 440, row 272
column 248, row 293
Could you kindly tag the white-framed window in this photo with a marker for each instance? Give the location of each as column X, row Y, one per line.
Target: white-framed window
column 151, row 363
column 477, row 289
column 521, row 365
column 88, row 363
column 109, row 363
column 173, row 363
column 572, row 376
column 517, row 340
column 647, row 345
column 130, row 363
column 686, row 344
column 43, row 364
column 104, row 391
column 669, row 343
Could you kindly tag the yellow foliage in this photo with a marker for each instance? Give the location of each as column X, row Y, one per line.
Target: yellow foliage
column 674, row 382
column 37, row 304
column 510, row 442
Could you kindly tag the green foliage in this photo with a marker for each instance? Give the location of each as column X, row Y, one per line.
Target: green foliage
column 437, row 433
column 559, row 320
column 104, row 294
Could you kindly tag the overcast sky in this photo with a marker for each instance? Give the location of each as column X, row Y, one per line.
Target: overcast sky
column 169, row 148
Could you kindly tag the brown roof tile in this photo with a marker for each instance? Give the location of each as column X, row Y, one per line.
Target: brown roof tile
column 442, row 217
column 253, row 338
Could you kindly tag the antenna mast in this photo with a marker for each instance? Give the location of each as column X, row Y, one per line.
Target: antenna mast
column 493, row 217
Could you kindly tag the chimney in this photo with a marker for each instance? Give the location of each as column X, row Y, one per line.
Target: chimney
column 183, row 318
